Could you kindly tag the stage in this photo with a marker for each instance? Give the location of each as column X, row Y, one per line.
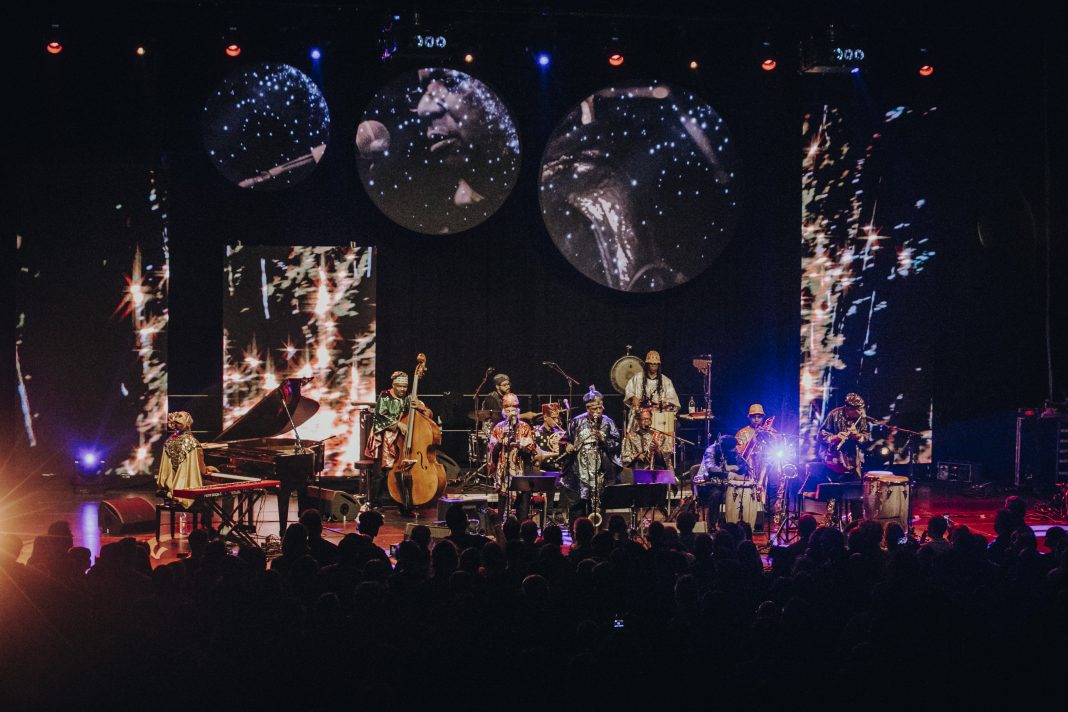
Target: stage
column 48, row 500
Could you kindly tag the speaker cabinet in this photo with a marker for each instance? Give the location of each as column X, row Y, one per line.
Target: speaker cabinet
column 126, row 515
column 333, row 504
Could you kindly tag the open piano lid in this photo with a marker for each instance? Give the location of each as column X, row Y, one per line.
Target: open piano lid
column 268, row 418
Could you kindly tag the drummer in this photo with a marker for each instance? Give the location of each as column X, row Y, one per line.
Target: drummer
column 494, row 401
column 651, row 388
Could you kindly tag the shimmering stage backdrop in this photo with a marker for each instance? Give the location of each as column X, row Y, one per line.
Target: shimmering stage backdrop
column 91, row 305
column 302, row 312
column 868, row 236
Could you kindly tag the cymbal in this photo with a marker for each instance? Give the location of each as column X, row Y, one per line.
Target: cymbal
column 528, row 415
column 480, row 415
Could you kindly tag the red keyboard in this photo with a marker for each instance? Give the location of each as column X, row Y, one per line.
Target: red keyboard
column 227, row 488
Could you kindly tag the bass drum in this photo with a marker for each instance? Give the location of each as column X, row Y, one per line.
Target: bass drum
column 623, row 370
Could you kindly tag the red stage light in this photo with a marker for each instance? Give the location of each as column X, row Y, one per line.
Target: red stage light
column 469, row 58
column 233, row 49
column 53, row 47
column 140, row 51
column 615, row 60
column 926, row 70
column 768, row 64
column 693, row 64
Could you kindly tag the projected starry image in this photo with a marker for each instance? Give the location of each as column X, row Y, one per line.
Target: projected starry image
column 637, row 187
column 438, row 151
column 266, row 127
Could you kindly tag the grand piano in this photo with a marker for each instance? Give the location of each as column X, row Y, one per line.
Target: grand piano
column 249, row 446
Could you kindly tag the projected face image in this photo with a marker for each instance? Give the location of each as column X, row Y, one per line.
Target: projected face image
column 637, row 187
column 438, row 151
column 266, row 127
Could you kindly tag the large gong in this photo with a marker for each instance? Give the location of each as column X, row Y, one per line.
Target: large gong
column 623, row 370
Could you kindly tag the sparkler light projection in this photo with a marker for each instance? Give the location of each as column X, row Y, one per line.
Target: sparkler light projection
column 867, row 237
column 92, row 320
column 437, row 151
column 304, row 312
column 638, row 185
column 266, row 127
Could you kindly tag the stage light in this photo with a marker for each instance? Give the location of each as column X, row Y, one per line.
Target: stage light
column 89, row 463
column 140, row 51
column 233, row 49
column 926, row 70
column 616, row 60
column 769, row 64
column 693, row 64
column 469, row 58
column 884, row 451
column 316, row 53
column 54, row 47
column 543, row 60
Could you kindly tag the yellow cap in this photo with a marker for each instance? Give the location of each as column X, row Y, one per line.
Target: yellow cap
column 756, row 409
column 652, row 357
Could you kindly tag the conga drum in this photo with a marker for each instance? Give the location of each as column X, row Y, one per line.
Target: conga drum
column 741, row 504
column 886, row 497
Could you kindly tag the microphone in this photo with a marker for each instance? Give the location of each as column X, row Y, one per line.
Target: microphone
column 548, row 363
column 490, row 371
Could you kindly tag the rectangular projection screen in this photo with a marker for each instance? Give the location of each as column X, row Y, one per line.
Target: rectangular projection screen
column 868, row 236
column 304, row 312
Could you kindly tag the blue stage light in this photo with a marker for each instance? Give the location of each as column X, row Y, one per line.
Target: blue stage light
column 543, row 60
column 315, row 53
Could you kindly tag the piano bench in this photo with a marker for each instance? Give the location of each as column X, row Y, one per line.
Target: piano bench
column 173, row 507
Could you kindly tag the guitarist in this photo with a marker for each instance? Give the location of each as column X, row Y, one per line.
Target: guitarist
column 844, row 430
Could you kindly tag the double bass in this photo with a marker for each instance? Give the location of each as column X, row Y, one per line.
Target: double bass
column 417, row 477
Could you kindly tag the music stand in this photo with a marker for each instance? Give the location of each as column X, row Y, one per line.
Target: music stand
column 633, row 497
column 545, row 482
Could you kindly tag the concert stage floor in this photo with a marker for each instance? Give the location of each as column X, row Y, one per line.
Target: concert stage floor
column 33, row 508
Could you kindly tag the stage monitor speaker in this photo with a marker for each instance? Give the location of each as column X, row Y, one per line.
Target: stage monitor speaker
column 126, row 515
column 333, row 504
column 438, row 530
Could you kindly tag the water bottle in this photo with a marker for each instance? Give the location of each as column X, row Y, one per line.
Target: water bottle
column 692, row 404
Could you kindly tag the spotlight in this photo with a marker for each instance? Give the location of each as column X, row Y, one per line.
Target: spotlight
column 693, row 64
column 769, row 64
column 543, row 60
column 316, row 53
column 233, row 49
column 88, row 470
column 926, row 70
column 54, row 47
column 616, row 59
column 140, row 51
column 469, row 58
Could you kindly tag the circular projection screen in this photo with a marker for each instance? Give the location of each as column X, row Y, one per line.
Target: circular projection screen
column 637, row 187
column 437, row 151
column 266, row 126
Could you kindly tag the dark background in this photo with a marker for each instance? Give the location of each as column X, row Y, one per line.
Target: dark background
column 501, row 295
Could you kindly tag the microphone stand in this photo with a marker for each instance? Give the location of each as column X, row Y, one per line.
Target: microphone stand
column 473, row 474
column 571, row 383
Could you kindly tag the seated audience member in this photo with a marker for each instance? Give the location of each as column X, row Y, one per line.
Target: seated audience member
column 294, row 546
column 456, row 521
column 935, row 536
column 323, row 551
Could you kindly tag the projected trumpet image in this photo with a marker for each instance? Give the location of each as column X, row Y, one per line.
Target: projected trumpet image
column 638, row 187
column 437, row 151
column 266, row 127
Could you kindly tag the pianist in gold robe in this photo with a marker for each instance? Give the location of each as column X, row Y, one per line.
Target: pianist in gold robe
column 182, row 464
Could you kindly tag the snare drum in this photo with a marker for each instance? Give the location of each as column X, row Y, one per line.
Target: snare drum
column 886, row 497
column 741, row 504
